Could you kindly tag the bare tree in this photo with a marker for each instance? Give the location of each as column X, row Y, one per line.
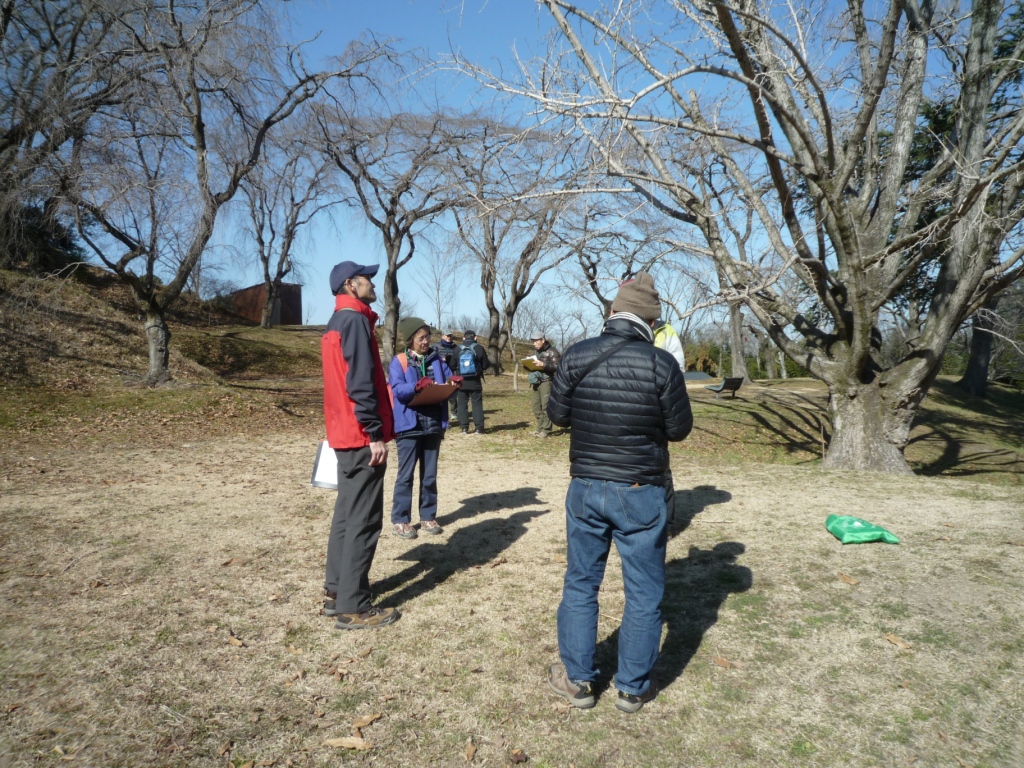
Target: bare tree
column 511, row 234
column 394, row 163
column 148, row 178
column 61, row 62
column 282, row 195
column 439, row 280
column 806, row 115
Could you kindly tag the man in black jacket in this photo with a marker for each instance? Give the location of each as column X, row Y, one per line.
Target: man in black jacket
column 448, row 350
column 547, row 357
column 625, row 400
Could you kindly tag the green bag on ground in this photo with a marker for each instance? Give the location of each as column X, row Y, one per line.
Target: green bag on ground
column 853, row 530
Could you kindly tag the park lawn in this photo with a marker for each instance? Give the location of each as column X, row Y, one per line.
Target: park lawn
column 161, row 558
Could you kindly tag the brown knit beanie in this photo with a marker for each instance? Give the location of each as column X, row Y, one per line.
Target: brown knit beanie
column 640, row 297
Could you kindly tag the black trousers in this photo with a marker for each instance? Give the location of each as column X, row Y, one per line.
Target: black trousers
column 462, row 398
column 355, row 529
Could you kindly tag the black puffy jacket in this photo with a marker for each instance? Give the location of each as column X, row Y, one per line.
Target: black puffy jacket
column 626, row 410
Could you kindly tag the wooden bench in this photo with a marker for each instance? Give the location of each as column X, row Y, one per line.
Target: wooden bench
column 727, row 385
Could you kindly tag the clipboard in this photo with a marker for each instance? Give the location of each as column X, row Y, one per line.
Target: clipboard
column 325, row 467
column 433, row 394
column 531, row 365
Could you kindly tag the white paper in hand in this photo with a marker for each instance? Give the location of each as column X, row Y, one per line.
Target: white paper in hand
column 325, row 467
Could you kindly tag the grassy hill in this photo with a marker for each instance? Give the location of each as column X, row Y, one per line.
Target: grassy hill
column 72, row 356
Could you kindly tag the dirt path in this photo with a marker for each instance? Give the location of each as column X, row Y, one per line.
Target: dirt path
column 160, row 606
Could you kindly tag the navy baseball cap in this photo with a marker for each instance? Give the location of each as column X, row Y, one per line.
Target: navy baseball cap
column 347, row 270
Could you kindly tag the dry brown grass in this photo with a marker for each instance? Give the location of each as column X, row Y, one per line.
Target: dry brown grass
column 119, row 611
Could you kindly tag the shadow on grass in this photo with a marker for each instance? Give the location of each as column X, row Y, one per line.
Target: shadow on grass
column 432, row 564
column 490, row 502
column 691, row 502
column 506, row 427
column 695, row 589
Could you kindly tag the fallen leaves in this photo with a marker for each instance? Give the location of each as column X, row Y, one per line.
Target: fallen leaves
column 226, row 748
column 899, row 642
column 234, row 640
column 470, row 751
column 518, row 756
column 356, row 740
column 725, row 663
column 365, row 720
column 848, row 579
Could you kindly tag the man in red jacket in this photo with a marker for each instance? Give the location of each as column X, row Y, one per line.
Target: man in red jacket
column 360, row 424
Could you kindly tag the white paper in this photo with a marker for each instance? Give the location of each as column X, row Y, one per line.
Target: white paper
column 325, row 467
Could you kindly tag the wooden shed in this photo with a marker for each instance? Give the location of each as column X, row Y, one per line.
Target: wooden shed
column 248, row 302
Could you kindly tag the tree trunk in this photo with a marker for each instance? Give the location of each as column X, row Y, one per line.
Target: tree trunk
column 869, row 430
column 975, row 379
column 158, row 335
column 782, row 364
column 267, row 316
column 771, row 366
column 392, row 306
column 739, row 359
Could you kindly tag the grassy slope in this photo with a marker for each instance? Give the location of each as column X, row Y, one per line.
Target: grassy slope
column 70, row 347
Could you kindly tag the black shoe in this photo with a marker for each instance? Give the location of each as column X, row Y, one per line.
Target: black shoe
column 628, row 702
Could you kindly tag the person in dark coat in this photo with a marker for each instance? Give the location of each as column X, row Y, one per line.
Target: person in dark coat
column 418, row 430
column 448, row 350
column 360, row 423
column 625, row 400
column 546, row 356
column 471, row 362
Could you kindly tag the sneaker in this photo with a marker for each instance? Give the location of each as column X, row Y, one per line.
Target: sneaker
column 330, row 603
column 628, row 702
column 538, row 433
column 580, row 694
column 405, row 531
column 371, row 619
column 479, row 433
column 431, row 526
column 464, row 432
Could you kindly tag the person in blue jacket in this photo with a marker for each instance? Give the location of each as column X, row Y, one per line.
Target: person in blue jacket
column 418, row 430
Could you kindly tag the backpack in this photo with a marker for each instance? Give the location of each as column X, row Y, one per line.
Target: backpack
column 467, row 360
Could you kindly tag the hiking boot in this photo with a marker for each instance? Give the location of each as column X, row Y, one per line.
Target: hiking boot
column 371, row 619
column 628, row 702
column 579, row 694
column 330, row 603
column 431, row 527
column 405, row 531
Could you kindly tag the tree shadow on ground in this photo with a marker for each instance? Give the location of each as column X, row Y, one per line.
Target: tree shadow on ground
column 491, row 502
column 471, row 547
column 695, row 589
column 691, row 502
column 505, row 427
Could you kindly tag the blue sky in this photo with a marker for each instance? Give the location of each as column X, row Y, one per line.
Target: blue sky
column 484, row 31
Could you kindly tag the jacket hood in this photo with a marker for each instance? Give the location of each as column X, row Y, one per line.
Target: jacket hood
column 629, row 326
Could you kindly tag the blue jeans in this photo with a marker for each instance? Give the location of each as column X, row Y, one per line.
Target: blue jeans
column 596, row 512
column 422, row 450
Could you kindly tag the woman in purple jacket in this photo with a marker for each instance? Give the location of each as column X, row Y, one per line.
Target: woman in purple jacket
column 418, row 430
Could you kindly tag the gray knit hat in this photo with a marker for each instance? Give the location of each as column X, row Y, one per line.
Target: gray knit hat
column 410, row 325
column 640, row 297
